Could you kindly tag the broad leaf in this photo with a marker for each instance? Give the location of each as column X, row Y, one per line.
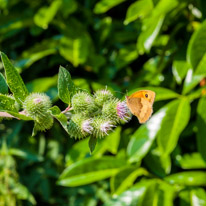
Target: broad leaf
column 198, row 197
column 75, row 50
column 92, row 143
column 138, row 9
column 15, row 115
column 126, row 178
column 143, row 138
column 194, row 77
column 66, row 87
column 56, row 112
column 179, row 70
column 201, row 126
column 14, row 80
column 175, row 120
column 150, row 31
column 3, row 85
column 197, row 46
column 7, row 103
column 46, row 14
column 133, row 196
column 191, row 161
column 193, row 178
column 90, row 170
column 104, row 5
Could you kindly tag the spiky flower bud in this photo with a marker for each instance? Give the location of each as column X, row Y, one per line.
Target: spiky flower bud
column 109, row 110
column 101, row 127
column 116, row 111
column 123, row 111
column 82, row 102
column 102, row 96
column 36, row 105
column 79, row 126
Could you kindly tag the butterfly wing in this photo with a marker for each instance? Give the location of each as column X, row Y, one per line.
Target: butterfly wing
column 134, row 105
column 146, row 111
column 140, row 107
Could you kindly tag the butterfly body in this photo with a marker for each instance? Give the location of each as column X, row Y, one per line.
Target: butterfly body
column 140, row 104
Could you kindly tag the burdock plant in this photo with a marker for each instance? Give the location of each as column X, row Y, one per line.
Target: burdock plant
column 86, row 115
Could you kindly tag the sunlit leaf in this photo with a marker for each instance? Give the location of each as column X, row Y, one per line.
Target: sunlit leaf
column 104, row 5
column 7, row 103
column 191, row 178
column 201, row 125
column 66, row 87
column 143, row 138
column 92, row 143
column 138, row 9
column 175, row 120
column 125, row 179
column 133, row 196
column 191, row 161
column 14, row 80
column 56, row 112
column 198, row 197
column 90, row 170
column 46, row 14
column 197, row 46
column 179, row 69
column 3, row 85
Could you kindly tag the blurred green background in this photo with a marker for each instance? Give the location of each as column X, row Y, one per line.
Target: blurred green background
column 125, row 45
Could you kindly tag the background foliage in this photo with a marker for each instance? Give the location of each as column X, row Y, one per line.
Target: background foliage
column 126, row 45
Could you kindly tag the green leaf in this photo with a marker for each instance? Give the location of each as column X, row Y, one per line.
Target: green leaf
column 3, row 85
column 134, row 196
column 16, row 115
column 193, row 178
column 110, row 142
column 191, row 161
column 194, row 77
column 179, row 70
column 104, row 5
column 125, row 179
column 197, row 46
column 161, row 93
column 158, row 164
column 56, row 112
column 77, row 152
column 138, row 9
column 150, row 31
column 7, row 103
column 42, row 84
column 25, row 155
column 143, row 138
column 23, row 193
column 38, row 51
column 152, row 25
column 198, row 197
column 166, row 194
column 66, row 87
column 174, row 122
column 191, row 81
column 14, row 80
column 46, row 14
column 75, row 49
column 201, row 126
column 92, row 143
column 90, row 170
column 125, row 56
column 68, row 7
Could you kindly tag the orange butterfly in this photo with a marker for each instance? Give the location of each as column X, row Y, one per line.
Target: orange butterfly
column 140, row 104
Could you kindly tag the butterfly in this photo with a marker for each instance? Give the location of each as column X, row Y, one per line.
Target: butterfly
column 140, row 104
